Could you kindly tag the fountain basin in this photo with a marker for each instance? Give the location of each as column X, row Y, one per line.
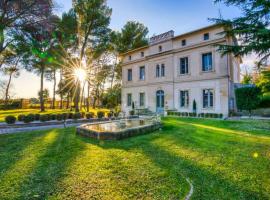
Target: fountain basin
column 116, row 130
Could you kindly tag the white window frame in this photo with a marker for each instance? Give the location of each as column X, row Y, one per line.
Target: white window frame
column 208, row 98
column 186, row 97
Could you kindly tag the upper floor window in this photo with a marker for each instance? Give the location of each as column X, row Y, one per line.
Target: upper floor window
column 129, row 57
column 184, row 98
column 206, row 36
column 184, row 42
column 162, row 70
column 184, row 65
column 207, row 62
column 142, row 54
column 142, row 99
column 129, row 99
column 157, row 71
column 142, row 73
column 129, row 74
column 208, row 98
column 160, row 48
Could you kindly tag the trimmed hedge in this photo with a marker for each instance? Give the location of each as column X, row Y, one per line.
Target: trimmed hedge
column 29, row 118
column 100, row 114
column 10, row 119
column 191, row 114
column 20, row 118
column 90, row 115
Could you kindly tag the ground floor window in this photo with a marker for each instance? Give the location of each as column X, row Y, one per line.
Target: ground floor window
column 129, row 99
column 142, row 99
column 208, row 98
column 184, row 98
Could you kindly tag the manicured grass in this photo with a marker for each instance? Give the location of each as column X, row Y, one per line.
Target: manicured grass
column 4, row 113
column 223, row 159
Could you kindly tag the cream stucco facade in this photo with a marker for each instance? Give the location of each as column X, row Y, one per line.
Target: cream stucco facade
column 191, row 63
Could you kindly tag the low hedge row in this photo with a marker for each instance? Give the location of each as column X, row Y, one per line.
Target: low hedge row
column 190, row 114
column 48, row 117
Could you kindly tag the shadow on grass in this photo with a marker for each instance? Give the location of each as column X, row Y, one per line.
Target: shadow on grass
column 45, row 166
column 208, row 180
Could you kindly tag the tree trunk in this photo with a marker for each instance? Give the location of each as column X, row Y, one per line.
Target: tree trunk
column 7, row 90
column 54, row 86
column 60, row 89
column 88, row 96
column 82, row 96
column 67, row 106
column 42, row 108
column 77, row 96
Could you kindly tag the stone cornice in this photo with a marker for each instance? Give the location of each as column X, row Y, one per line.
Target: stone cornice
column 174, row 51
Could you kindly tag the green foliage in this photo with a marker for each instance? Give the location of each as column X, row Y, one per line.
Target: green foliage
column 29, row 118
column 37, row 116
column 247, row 98
column 59, row 117
column 100, row 114
column 132, row 36
column 44, row 118
column 252, row 29
column 265, row 101
column 194, row 106
column 247, row 79
column 131, row 112
column 112, row 97
column 10, row 119
column 263, row 81
column 53, row 116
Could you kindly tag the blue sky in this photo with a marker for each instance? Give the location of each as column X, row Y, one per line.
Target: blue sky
column 158, row 15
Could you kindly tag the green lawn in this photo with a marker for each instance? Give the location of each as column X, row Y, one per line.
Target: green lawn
column 223, row 159
column 4, row 113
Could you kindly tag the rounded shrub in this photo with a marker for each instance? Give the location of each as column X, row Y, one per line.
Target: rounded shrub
column 220, row 115
column 10, row 119
column 90, row 115
column 59, row 117
column 43, row 118
column 65, row 116
column 20, row 118
column 49, row 116
column 101, row 114
column 110, row 114
column 76, row 116
column 37, row 116
column 53, row 116
column 70, row 115
column 29, row 118
column 82, row 114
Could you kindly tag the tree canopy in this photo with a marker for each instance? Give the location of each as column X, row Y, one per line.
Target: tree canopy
column 252, row 29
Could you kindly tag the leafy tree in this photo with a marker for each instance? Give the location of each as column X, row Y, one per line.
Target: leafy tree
column 263, row 80
column 15, row 15
column 44, row 94
column 93, row 32
column 132, row 36
column 247, row 98
column 112, row 97
column 247, row 79
column 35, row 45
column 252, row 29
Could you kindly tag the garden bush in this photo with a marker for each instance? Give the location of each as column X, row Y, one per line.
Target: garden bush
column 53, row 116
column 37, row 116
column 248, row 98
column 90, row 115
column 20, row 118
column 82, row 114
column 44, row 118
column 110, row 114
column 70, row 115
column 59, row 117
column 76, row 116
column 100, row 114
column 265, row 102
column 65, row 116
column 10, row 119
column 29, row 118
